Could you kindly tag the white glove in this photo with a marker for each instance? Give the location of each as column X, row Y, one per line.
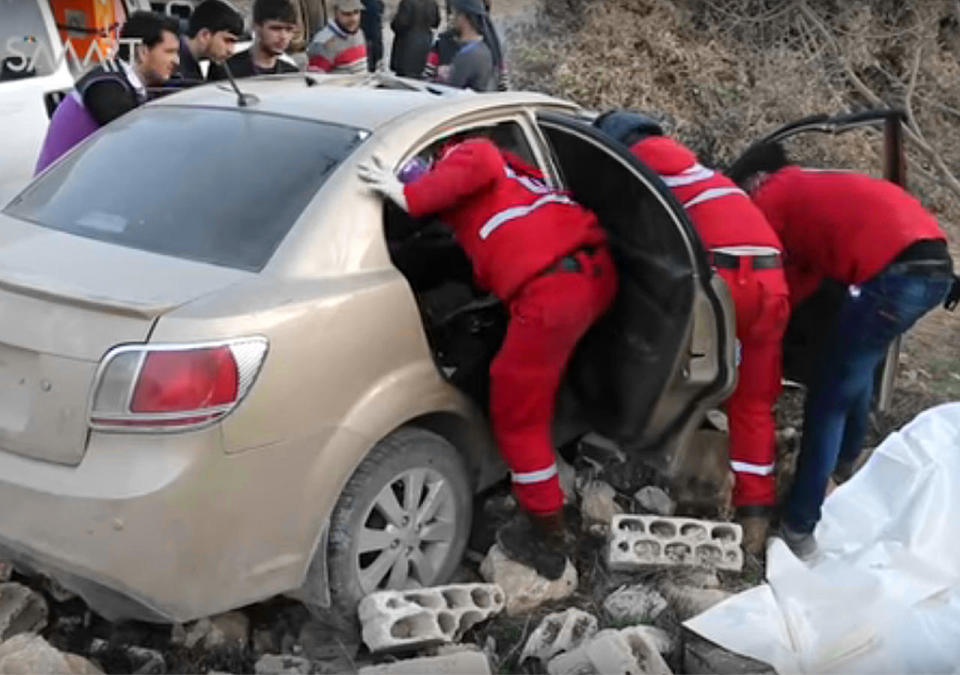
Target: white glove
column 381, row 180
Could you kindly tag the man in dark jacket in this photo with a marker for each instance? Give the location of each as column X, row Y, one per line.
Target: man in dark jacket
column 413, row 27
column 371, row 23
column 212, row 33
column 114, row 88
column 274, row 23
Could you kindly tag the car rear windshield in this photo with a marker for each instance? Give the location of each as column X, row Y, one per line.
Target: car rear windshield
column 213, row 185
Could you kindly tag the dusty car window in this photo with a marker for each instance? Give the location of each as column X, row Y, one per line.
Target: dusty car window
column 217, row 186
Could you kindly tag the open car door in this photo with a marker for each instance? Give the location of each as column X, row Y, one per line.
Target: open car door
column 812, row 319
column 646, row 374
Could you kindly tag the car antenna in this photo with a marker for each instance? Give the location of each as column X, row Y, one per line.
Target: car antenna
column 241, row 97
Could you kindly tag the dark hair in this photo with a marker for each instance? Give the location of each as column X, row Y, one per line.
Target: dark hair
column 763, row 157
column 273, row 10
column 149, row 27
column 215, row 16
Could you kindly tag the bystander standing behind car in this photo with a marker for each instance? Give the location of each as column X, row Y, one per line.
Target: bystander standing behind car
column 413, row 27
column 340, row 46
column 212, row 33
column 274, row 23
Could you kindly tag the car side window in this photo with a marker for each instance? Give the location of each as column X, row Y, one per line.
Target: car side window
column 507, row 135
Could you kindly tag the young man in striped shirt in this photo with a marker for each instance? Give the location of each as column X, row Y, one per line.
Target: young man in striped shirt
column 340, row 46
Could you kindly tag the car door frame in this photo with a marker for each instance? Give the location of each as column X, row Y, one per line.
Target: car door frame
column 707, row 282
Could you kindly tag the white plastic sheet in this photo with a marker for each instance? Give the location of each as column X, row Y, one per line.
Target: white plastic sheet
column 885, row 595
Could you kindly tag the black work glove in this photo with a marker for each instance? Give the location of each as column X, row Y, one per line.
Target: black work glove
column 953, row 297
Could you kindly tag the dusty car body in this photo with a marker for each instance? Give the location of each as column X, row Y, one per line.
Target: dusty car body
column 229, row 372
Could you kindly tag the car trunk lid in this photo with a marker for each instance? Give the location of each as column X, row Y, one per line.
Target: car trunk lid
column 66, row 301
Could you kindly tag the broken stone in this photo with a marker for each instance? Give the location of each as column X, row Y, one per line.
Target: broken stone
column 652, row 499
column 701, row 656
column 229, row 631
column 523, row 588
column 635, row 604
column 282, row 664
column 22, row 610
column 689, row 601
column 56, row 591
column 26, row 653
column 426, row 616
column 6, row 571
column 145, row 661
column 598, row 504
column 559, row 632
column 658, row 638
column 610, row 651
column 197, row 632
column 458, row 663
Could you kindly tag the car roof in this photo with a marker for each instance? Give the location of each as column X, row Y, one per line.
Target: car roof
column 362, row 101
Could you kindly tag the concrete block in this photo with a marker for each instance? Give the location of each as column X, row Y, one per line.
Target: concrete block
column 457, row 663
column 395, row 620
column 612, row 651
column 559, row 632
column 638, row 542
column 22, row 610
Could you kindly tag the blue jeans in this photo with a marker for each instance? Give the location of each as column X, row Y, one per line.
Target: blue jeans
column 840, row 393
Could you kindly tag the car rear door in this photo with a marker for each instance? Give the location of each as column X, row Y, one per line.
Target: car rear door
column 666, row 351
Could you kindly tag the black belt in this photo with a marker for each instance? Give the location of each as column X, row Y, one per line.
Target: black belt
column 727, row 261
column 926, row 268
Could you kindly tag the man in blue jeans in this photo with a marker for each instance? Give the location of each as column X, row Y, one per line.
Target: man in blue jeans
column 875, row 238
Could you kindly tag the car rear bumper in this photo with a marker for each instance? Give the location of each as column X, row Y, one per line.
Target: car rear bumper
column 166, row 528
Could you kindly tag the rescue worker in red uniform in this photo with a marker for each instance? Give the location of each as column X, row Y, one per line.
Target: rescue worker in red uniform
column 746, row 252
column 876, row 239
column 546, row 258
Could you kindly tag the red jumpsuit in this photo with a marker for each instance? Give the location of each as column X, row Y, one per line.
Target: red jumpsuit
column 545, row 257
column 840, row 225
column 728, row 222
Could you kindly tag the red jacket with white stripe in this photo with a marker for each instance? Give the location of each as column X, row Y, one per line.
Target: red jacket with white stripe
column 509, row 223
column 721, row 212
column 840, row 225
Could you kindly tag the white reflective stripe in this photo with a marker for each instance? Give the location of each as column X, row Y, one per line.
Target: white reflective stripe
column 714, row 193
column 756, row 469
column 535, row 476
column 519, row 212
column 694, row 174
column 532, row 184
column 746, row 250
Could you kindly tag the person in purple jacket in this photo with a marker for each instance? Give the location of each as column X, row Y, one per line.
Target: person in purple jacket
column 113, row 88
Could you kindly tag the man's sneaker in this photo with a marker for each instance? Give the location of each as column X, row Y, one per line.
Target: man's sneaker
column 803, row 544
column 524, row 542
column 844, row 471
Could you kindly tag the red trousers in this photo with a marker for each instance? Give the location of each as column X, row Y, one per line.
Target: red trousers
column 548, row 316
column 762, row 303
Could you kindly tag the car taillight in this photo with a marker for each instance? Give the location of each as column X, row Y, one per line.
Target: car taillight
column 173, row 387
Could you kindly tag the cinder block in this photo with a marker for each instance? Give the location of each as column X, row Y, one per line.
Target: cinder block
column 637, row 542
column 397, row 620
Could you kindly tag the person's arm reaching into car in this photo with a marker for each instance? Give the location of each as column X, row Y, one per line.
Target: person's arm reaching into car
column 466, row 169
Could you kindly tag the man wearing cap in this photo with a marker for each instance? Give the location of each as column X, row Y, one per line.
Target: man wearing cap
column 746, row 252
column 340, row 47
column 545, row 257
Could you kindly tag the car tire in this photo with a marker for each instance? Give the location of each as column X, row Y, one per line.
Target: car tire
column 402, row 521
